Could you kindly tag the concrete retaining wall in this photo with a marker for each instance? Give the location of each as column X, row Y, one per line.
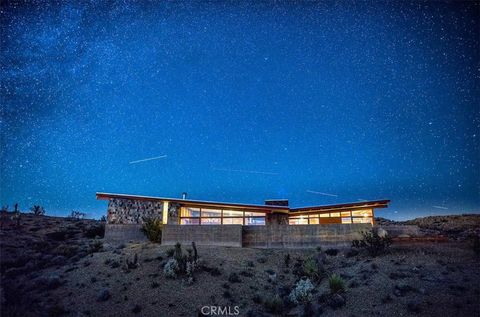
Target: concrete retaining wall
column 124, row 233
column 301, row 236
column 230, row 235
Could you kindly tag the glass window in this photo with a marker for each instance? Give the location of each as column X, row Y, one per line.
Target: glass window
column 362, row 213
column 298, row 221
column 233, row 221
column 211, row 212
column 312, row 216
column 232, row 213
column 334, row 214
column 211, row 221
column 189, row 212
column 325, row 215
column 189, row 221
column 255, row 221
column 347, row 220
column 362, row 220
column 314, row 221
column 345, row 213
column 254, row 214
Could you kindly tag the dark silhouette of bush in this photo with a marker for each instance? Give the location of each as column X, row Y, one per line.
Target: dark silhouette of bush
column 77, row 215
column 95, row 231
column 374, row 243
column 152, row 227
column 38, row 210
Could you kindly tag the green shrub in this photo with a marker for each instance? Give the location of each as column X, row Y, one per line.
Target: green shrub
column 95, row 246
column 310, row 268
column 336, row 284
column 274, row 304
column 287, row 260
column 152, row 227
column 170, row 252
column 373, row 242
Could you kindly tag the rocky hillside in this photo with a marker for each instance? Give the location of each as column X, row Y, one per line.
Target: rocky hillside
column 457, row 227
column 56, row 267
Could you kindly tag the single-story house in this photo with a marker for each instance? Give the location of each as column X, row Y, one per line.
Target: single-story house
column 194, row 216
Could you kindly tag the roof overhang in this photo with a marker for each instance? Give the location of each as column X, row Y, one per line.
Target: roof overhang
column 339, row 207
column 195, row 203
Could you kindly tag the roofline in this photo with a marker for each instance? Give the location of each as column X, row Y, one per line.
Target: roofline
column 371, row 203
column 103, row 196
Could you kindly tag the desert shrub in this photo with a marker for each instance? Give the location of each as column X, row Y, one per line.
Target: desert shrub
column 373, row 242
column 133, row 264
column 95, row 231
column 57, row 235
column 37, row 210
column 476, row 244
column 298, row 267
column 310, row 269
column 233, row 278
column 331, row 252
column 257, row 298
column 336, row 284
column 170, row 252
column 302, row 293
column 95, row 246
column 103, row 219
column 287, row 260
column 274, row 304
column 77, row 215
column 152, row 227
column 171, row 268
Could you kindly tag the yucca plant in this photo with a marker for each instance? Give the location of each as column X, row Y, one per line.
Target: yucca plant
column 336, row 283
column 152, row 227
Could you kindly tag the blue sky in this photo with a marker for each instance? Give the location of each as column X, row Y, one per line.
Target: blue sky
column 320, row 103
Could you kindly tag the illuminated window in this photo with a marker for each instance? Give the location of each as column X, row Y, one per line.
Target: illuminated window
column 232, row 213
column 255, row 221
column 211, row 221
column 347, row 220
column 314, row 221
column 190, row 221
column 362, row 213
column 211, row 213
column 233, row 221
column 298, row 221
column 254, row 214
column 345, row 213
column 189, row 212
column 335, row 214
column 325, row 215
column 362, row 220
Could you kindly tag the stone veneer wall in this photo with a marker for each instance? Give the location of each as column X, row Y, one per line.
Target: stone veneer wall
column 301, row 236
column 130, row 211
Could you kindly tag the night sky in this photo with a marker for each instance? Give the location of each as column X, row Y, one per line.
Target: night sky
column 320, row 103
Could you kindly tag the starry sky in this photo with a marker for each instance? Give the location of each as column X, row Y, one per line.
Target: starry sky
column 318, row 102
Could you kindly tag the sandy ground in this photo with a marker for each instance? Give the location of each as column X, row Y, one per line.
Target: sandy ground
column 419, row 280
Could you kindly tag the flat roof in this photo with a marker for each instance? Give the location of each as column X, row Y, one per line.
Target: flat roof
column 272, row 208
column 192, row 202
column 357, row 205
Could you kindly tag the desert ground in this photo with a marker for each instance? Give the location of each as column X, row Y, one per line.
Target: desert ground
column 58, row 267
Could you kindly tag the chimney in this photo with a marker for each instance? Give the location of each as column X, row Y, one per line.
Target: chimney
column 184, row 195
column 277, row 202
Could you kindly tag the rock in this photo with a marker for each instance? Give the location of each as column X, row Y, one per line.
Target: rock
column 352, row 252
column 336, row 301
column 136, row 309
column 402, row 289
column 413, row 306
column 397, row 275
column 48, row 282
column 59, row 260
column 103, row 296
